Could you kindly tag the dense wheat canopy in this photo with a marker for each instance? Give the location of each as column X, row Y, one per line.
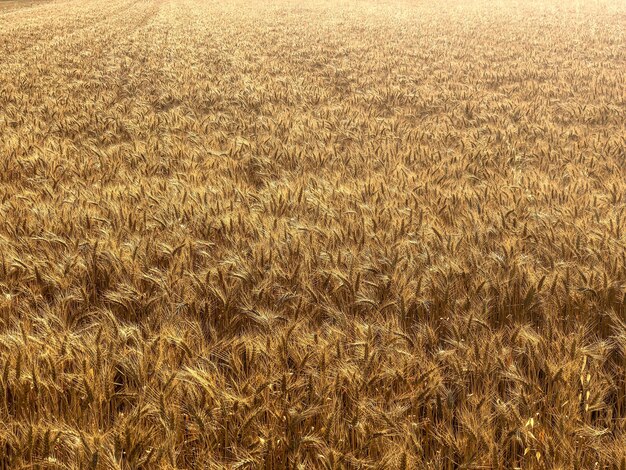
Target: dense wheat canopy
column 324, row 234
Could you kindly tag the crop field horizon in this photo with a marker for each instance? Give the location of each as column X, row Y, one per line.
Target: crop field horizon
column 312, row 235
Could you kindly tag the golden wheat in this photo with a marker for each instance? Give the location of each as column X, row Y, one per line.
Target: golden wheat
column 312, row 235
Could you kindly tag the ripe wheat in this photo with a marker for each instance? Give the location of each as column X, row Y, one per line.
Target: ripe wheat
column 249, row 234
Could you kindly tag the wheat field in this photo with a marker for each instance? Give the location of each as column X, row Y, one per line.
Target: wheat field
column 312, row 235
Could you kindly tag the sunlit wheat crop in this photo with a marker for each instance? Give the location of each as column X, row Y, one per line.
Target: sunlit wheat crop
column 312, row 234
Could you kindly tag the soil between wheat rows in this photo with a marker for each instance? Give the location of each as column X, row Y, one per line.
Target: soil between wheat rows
column 353, row 234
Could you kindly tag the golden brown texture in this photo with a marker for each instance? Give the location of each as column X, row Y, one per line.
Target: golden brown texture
column 241, row 234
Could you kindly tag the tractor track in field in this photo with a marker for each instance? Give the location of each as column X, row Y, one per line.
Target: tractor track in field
column 108, row 43
column 68, row 35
